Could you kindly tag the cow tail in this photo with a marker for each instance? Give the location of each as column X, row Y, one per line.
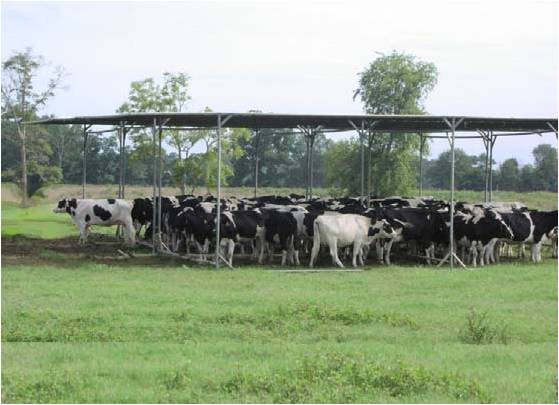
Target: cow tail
column 316, row 236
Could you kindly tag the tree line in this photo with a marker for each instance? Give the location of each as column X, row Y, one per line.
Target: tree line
column 397, row 83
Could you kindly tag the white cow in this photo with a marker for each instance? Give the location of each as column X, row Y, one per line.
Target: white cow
column 105, row 212
column 341, row 230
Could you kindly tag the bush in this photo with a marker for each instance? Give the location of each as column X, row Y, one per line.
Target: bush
column 478, row 330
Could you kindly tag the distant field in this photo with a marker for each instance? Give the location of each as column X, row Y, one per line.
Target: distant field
column 540, row 199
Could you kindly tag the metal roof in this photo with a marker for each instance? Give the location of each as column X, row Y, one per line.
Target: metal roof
column 382, row 123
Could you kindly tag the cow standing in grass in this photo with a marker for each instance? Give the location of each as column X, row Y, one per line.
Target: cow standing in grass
column 104, row 212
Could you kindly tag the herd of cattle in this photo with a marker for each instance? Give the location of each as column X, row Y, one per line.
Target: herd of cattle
column 416, row 228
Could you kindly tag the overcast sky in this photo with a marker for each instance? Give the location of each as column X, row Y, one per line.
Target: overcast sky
column 494, row 58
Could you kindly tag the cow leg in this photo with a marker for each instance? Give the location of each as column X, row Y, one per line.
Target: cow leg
column 387, row 251
column 200, row 249
column 473, row 253
column 314, row 252
column 356, row 252
column 334, row 253
column 535, row 252
column 230, row 251
column 521, row 252
column 379, row 246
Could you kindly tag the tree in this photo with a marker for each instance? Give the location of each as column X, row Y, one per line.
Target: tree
column 171, row 95
column 545, row 167
column 509, row 175
column 21, row 101
column 395, row 84
column 469, row 171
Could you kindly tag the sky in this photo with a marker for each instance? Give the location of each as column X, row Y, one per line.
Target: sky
column 494, row 58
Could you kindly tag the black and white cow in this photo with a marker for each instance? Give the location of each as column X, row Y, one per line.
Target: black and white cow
column 107, row 212
column 280, row 228
column 531, row 227
column 417, row 225
column 480, row 232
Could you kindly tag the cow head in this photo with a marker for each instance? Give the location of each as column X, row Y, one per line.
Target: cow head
column 66, row 205
column 381, row 229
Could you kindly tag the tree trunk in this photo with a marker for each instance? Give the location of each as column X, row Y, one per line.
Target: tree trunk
column 23, row 151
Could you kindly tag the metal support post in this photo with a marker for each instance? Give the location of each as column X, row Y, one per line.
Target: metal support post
column 123, row 154
column 550, row 125
column 84, row 159
column 362, row 163
column 159, row 181
column 492, row 139
column 421, row 145
column 309, row 134
column 361, row 133
column 155, row 202
column 370, row 138
column 311, row 161
column 119, row 132
column 220, row 123
column 485, row 139
column 307, row 161
column 452, row 164
column 256, row 159
column 451, row 255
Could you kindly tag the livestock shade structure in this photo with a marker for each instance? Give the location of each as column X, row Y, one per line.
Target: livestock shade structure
column 486, row 128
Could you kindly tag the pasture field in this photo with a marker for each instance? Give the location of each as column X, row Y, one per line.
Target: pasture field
column 81, row 324
column 75, row 330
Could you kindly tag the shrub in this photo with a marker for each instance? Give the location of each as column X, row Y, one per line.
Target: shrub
column 479, row 330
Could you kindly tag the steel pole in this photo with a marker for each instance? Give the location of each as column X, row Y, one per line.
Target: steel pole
column 421, row 144
column 369, row 163
column 218, row 203
column 84, row 161
column 486, row 144
column 362, row 153
column 256, row 160
column 159, row 178
column 307, row 166
column 119, row 132
column 123, row 161
column 452, row 194
column 311, row 162
column 154, row 213
column 491, row 144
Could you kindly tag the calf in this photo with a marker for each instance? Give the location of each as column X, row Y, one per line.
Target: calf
column 86, row 213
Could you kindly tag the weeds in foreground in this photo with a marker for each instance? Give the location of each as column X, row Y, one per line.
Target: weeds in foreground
column 479, row 330
column 334, row 377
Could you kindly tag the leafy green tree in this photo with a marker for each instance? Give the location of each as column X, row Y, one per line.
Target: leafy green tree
column 528, row 181
column 395, row 84
column 21, row 102
column 341, row 166
column 545, row 167
column 469, row 171
column 171, row 95
column 509, row 175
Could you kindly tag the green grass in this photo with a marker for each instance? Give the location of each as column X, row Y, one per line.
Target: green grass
column 96, row 333
column 39, row 221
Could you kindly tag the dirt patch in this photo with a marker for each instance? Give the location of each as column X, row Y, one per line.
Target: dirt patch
column 66, row 252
